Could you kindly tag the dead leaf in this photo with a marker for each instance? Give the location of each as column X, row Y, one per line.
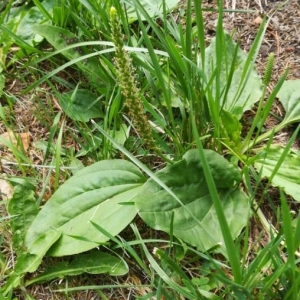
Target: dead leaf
column 257, row 20
column 142, row 291
column 6, row 190
column 12, row 137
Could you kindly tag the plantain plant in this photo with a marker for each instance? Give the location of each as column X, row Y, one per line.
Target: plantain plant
column 185, row 103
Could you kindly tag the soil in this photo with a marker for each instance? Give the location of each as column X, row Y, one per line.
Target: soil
column 282, row 36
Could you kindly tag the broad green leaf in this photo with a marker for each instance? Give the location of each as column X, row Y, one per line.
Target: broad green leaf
column 80, row 235
column 95, row 262
column 225, row 174
column 42, row 145
column 236, row 101
column 60, row 38
column 289, row 96
column 288, row 175
column 31, row 18
column 186, row 179
column 153, row 8
column 93, row 194
column 30, row 260
column 24, row 207
column 24, row 19
column 81, row 106
column 76, row 164
column 120, row 135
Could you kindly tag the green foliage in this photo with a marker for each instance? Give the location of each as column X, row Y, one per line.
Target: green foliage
column 287, row 176
column 289, row 97
column 194, row 219
column 96, row 193
column 20, row 21
column 240, row 86
column 69, row 45
column 195, row 292
column 24, row 208
column 188, row 100
column 153, row 8
column 94, row 262
column 33, row 17
column 231, row 131
column 292, row 243
column 2, row 83
column 81, row 105
column 29, row 262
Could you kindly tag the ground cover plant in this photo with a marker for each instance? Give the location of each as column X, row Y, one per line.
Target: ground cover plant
column 148, row 127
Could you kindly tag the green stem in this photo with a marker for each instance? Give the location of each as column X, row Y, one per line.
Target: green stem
column 265, row 136
column 247, row 143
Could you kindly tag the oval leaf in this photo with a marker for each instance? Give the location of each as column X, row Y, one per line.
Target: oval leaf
column 80, row 235
column 289, row 96
column 95, row 262
column 92, row 194
column 237, row 101
column 60, row 38
column 153, row 8
column 186, row 179
column 288, row 175
column 82, row 106
column 23, row 207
